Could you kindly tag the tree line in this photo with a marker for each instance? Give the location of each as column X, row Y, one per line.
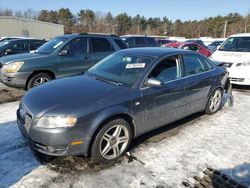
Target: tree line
column 90, row 21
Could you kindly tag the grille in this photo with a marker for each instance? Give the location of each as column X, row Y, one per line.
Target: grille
column 237, row 79
column 24, row 117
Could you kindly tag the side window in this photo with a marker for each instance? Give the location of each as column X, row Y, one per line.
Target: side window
column 207, row 66
column 120, row 44
column 140, row 42
column 195, row 64
column 130, row 42
column 77, row 46
column 35, row 44
column 168, row 69
column 151, row 41
column 101, row 45
column 20, row 47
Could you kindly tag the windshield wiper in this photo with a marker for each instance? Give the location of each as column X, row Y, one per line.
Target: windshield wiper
column 108, row 81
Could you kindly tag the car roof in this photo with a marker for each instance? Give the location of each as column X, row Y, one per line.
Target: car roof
column 22, row 39
column 153, row 51
column 73, row 35
column 139, row 36
column 241, row 35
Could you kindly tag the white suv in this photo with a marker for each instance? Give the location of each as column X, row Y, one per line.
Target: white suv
column 234, row 54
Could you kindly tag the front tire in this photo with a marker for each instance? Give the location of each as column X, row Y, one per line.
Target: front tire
column 214, row 102
column 112, row 141
column 38, row 79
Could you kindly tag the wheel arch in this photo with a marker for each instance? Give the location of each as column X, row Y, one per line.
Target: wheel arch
column 51, row 73
column 122, row 115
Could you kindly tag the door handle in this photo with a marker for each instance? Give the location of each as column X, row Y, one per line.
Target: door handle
column 86, row 57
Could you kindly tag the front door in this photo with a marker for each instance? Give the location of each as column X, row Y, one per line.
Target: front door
column 76, row 59
column 167, row 103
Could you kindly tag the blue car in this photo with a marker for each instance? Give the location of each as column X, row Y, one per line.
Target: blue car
column 127, row 94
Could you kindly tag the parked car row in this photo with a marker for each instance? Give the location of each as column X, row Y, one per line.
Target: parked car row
column 189, row 46
column 62, row 56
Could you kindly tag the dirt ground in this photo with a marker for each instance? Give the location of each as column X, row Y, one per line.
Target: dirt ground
column 8, row 94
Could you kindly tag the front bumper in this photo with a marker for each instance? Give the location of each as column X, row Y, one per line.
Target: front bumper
column 54, row 142
column 17, row 80
column 239, row 75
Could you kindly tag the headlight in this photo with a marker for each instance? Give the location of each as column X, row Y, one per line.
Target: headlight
column 12, row 67
column 56, row 122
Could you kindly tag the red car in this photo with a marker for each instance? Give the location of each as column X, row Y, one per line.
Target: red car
column 189, row 46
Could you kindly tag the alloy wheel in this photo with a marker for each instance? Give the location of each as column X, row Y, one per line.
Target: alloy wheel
column 114, row 142
column 215, row 101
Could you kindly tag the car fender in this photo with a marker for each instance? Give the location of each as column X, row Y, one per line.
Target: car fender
column 108, row 113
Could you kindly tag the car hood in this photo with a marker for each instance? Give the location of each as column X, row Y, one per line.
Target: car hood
column 21, row 57
column 231, row 57
column 63, row 96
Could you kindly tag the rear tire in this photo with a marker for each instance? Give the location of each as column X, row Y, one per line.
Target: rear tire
column 38, row 79
column 214, row 102
column 112, row 141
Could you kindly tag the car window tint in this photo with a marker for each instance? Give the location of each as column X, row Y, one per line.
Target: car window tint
column 35, row 44
column 77, row 46
column 191, row 47
column 195, row 64
column 207, row 66
column 167, row 70
column 120, row 44
column 130, row 42
column 140, row 42
column 151, row 41
column 20, row 47
column 101, row 45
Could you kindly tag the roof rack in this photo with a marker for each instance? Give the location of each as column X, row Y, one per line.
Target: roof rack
column 103, row 34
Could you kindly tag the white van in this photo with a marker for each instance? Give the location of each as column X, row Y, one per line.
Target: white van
column 234, row 54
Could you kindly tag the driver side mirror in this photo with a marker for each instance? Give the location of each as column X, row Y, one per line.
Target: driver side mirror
column 64, row 53
column 154, row 82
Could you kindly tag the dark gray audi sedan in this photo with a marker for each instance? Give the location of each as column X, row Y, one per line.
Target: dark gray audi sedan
column 123, row 96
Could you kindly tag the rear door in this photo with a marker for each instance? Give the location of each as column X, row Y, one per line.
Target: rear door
column 75, row 61
column 165, row 104
column 200, row 77
column 100, row 47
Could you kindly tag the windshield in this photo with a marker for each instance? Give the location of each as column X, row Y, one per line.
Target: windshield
column 237, row 44
column 3, row 43
column 51, row 45
column 120, row 68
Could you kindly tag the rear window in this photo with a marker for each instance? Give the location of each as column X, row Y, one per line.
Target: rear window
column 120, row 44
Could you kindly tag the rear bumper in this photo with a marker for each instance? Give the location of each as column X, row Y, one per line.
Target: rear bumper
column 52, row 142
column 17, row 80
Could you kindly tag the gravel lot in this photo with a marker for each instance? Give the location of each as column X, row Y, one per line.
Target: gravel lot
column 166, row 157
